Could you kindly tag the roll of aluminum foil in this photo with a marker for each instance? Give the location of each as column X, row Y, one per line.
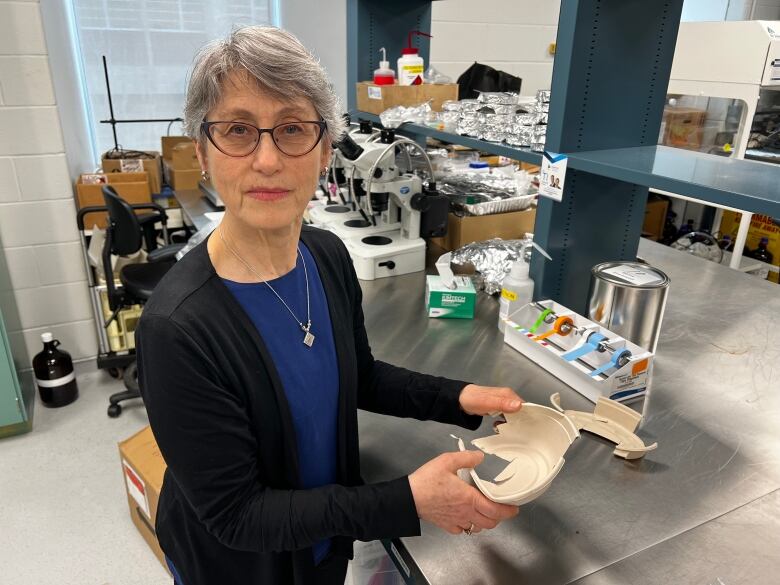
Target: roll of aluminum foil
column 451, row 106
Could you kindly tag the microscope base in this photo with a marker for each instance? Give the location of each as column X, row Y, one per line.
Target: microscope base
column 399, row 256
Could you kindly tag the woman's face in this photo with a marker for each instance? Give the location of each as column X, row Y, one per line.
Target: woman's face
column 267, row 189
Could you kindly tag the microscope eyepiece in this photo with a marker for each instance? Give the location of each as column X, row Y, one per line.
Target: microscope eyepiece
column 350, row 149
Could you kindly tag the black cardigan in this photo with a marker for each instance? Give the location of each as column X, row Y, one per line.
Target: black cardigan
column 230, row 511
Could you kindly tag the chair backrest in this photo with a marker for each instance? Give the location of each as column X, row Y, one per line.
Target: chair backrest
column 126, row 231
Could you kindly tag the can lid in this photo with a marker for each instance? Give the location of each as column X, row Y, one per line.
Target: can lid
column 47, row 337
column 631, row 274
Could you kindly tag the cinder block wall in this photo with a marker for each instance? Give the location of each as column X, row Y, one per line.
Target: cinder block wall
column 510, row 35
column 42, row 278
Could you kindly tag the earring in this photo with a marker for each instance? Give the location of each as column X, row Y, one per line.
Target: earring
column 204, row 175
column 324, row 172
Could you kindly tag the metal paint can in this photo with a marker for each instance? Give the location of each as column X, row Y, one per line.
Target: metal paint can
column 629, row 299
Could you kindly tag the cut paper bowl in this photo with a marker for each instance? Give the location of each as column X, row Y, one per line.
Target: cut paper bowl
column 533, row 441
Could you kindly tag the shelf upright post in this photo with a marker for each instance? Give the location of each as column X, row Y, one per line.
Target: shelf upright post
column 612, row 64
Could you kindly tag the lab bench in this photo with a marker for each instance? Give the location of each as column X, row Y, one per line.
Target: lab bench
column 703, row 508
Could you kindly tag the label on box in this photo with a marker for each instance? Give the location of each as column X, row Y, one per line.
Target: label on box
column 633, row 275
column 553, row 175
column 131, row 165
column 775, row 75
column 374, row 93
column 136, row 488
column 446, row 303
column 94, row 179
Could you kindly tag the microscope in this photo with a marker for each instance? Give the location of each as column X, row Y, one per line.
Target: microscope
column 395, row 209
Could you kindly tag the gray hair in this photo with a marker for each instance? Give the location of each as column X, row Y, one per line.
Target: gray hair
column 277, row 61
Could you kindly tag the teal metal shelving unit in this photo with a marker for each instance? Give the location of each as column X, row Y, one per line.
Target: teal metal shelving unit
column 13, row 414
column 612, row 64
column 419, row 133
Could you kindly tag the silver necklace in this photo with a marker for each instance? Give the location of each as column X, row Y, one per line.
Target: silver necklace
column 308, row 338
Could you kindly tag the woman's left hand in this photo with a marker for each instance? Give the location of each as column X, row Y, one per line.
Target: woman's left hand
column 489, row 400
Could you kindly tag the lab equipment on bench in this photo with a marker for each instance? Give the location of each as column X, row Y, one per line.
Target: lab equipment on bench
column 585, row 355
column 629, row 298
column 517, row 288
column 396, row 209
column 448, row 296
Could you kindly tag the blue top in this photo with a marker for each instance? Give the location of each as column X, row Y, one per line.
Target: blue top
column 309, row 375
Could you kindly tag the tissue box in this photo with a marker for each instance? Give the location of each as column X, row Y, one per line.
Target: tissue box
column 444, row 303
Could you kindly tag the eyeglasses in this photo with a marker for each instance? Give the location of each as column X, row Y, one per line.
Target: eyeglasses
column 241, row 139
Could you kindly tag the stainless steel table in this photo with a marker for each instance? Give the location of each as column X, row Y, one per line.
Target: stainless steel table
column 704, row 508
column 194, row 205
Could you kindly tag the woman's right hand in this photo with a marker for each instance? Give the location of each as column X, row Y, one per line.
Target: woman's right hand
column 442, row 498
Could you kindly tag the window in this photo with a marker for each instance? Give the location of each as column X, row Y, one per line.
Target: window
column 149, row 46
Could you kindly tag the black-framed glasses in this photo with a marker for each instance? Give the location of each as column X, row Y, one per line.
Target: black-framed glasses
column 241, row 138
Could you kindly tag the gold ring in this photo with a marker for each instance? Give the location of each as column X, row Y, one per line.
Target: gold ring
column 469, row 529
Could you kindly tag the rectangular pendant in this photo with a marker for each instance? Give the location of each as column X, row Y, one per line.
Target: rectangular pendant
column 308, row 339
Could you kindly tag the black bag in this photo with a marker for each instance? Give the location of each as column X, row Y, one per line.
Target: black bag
column 480, row 77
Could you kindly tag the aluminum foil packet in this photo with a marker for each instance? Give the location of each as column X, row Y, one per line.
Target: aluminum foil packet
column 492, row 259
column 543, row 96
column 499, row 97
column 520, row 136
column 470, row 105
column 394, row 117
column 526, row 119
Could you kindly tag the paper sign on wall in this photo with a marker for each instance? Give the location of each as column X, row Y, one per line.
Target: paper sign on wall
column 553, row 175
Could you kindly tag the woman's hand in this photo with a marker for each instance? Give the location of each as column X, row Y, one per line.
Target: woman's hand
column 489, row 400
column 442, row 498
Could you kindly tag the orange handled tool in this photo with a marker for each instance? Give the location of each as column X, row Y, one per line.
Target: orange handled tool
column 562, row 326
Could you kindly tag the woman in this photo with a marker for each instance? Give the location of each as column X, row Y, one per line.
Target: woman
column 253, row 357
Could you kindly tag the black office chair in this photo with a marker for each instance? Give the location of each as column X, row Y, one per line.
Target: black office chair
column 125, row 235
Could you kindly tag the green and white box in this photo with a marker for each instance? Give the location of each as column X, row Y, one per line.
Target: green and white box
column 446, row 303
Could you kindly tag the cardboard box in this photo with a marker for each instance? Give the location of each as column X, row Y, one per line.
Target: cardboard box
column 153, row 166
column 476, row 228
column 444, row 303
column 181, row 179
column 683, row 127
column 143, row 468
column 168, row 143
column 183, row 157
column 761, row 226
column 132, row 187
column 655, row 217
column 378, row 98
